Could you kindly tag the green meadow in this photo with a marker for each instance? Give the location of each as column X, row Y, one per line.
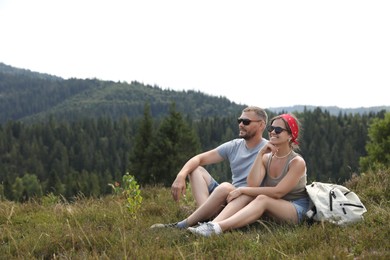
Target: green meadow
column 103, row 228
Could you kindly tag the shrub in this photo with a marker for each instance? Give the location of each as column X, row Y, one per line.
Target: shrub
column 131, row 191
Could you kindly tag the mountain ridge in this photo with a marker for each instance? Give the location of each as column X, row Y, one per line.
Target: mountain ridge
column 333, row 110
column 32, row 96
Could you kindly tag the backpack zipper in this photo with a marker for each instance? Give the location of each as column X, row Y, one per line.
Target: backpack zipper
column 350, row 204
column 331, row 197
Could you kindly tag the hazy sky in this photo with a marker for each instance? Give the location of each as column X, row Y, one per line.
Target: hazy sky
column 265, row 53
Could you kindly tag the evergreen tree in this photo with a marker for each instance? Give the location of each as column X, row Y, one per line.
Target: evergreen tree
column 32, row 187
column 94, row 187
column 18, row 189
column 7, row 188
column 54, row 184
column 378, row 146
column 174, row 144
column 139, row 156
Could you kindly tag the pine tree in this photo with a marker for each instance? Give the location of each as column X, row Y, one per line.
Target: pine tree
column 139, row 160
column 378, row 146
column 174, row 144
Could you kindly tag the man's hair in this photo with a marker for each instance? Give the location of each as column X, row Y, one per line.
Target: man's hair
column 259, row 112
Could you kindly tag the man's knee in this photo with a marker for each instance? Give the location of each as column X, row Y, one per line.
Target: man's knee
column 199, row 171
column 224, row 188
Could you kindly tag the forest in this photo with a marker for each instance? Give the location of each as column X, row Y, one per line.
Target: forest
column 72, row 137
column 84, row 156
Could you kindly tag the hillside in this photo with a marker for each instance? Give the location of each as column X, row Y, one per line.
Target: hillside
column 30, row 96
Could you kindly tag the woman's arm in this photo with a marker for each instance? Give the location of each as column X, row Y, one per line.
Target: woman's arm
column 297, row 169
column 257, row 172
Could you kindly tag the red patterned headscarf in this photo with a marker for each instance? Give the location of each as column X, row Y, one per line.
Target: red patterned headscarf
column 292, row 123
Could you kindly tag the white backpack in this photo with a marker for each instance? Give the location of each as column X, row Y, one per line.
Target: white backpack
column 334, row 203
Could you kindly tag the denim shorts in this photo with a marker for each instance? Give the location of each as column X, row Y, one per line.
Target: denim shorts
column 302, row 206
column 213, row 184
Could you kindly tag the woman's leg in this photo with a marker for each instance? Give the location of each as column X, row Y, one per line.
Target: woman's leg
column 232, row 207
column 277, row 208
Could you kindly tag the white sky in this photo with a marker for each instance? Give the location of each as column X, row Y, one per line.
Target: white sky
column 265, row 53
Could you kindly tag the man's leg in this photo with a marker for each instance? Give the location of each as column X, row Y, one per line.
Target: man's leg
column 200, row 180
column 212, row 206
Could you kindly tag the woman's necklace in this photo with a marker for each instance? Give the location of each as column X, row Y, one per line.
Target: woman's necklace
column 284, row 156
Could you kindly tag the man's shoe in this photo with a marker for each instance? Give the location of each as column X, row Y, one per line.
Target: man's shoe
column 206, row 229
column 169, row 225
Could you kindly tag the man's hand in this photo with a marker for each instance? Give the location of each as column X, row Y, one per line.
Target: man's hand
column 233, row 195
column 178, row 188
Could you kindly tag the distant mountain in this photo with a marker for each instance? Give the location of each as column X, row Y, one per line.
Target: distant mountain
column 31, row 96
column 9, row 70
column 333, row 110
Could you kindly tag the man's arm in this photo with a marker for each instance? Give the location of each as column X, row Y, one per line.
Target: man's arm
column 178, row 187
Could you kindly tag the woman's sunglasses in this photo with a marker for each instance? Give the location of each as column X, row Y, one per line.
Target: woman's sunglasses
column 277, row 129
column 246, row 121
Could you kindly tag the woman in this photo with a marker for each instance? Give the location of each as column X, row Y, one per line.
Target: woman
column 276, row 184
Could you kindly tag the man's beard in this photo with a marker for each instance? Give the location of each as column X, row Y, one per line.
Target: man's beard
column 246, row 136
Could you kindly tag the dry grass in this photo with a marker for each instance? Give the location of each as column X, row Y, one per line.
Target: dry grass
column 103, row 229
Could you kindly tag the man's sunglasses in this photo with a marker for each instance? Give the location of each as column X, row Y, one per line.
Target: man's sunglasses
column 277, row 129
column 246, row 121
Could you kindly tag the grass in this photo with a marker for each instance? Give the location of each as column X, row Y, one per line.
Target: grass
column 103, row 229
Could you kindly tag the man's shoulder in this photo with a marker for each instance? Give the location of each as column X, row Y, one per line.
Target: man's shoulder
column 237, row 141
column 241, row 141
column 232, row 143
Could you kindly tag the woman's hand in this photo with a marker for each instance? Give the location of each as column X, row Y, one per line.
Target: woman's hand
column 233, row 194
column 268, row 148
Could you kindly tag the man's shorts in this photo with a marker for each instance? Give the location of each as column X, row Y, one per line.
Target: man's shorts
column 213, row 184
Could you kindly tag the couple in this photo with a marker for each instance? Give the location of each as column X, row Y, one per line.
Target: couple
column 268, row 177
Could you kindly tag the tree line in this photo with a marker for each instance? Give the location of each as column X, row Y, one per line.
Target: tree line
column 84, row 156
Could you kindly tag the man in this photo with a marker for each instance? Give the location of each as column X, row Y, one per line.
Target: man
column 240, row 152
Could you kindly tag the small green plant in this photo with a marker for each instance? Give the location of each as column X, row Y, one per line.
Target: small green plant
column 116, row 187
column 131, row 191
column 50, row 199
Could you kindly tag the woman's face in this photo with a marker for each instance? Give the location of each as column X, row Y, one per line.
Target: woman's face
column 278, row 132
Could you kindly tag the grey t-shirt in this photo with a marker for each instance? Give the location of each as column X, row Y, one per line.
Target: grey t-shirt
column 240, row 158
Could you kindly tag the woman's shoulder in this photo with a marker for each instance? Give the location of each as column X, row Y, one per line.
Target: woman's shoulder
column 297, row 159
